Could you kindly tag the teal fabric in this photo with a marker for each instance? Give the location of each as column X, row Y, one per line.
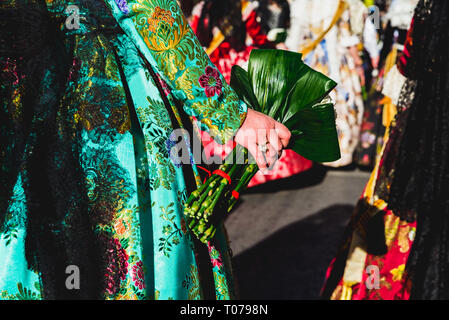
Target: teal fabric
column 126, row 157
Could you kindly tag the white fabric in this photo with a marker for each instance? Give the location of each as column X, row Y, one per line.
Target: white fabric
column 400, row 13
column 370, row 39
column 306, row 13
column 393, row 84
column 357, row 11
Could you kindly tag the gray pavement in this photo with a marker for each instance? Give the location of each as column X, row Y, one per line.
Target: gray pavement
column 284, row 234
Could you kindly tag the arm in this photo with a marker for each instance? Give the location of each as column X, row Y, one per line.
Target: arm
column 164, row 37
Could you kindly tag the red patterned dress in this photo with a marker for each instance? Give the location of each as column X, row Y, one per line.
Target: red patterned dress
column 370, row 263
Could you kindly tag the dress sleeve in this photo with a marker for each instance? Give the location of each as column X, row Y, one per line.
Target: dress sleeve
column 163, row 35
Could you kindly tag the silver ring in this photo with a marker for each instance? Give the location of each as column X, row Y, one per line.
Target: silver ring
column 263, row 147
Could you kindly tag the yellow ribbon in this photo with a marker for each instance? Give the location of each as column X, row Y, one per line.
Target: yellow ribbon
column 346, row 292
column 306, row 49
column 389, row 109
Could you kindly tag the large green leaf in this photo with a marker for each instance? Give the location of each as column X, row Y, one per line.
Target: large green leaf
column 279, row 84
column 242, row 86
column 315, row 135
column 311, row 88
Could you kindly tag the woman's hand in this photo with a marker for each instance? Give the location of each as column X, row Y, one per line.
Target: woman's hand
column 264, row 137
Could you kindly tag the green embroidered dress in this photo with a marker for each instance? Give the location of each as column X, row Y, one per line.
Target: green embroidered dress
column 131, row 62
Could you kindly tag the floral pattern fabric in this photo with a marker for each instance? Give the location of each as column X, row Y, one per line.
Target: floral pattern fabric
column 348, row 277
column 163, row 35
column 125, row 130
column 226, row 56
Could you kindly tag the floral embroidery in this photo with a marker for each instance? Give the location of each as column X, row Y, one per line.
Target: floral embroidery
column 120, row 227
column 171, row 232
column 161, row 22
column 391, row 229
column 23, row 293
column 403, row 238
column 214, row 256
column 95, row 111
column 192, row 284
column 211, row 82
column 182, row 60
column 398, row 272
column 221, row 287
column 118, row 267
column 138, row 275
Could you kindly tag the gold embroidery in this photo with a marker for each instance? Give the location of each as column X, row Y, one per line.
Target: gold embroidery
column 391, row 229
column 403, row 240
column 398, row 272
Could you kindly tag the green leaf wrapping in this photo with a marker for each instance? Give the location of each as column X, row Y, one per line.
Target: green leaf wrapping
column 242, row 86
column 316, row 139
column 279, row 84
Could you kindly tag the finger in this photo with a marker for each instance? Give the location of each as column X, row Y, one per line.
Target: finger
column 281, row 154
column 275, row 147
column 271, row 156
column 274, row 140
column 283, row 133
column 258, row 156
column 262, row 140
column 262, row 137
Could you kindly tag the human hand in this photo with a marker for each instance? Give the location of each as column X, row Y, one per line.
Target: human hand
column 264, row 137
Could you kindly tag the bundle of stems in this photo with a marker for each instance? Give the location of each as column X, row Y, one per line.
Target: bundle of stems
column 207, row 205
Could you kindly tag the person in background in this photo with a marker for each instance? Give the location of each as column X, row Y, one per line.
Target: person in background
column 229, row 30
column 329, row 33
column 383, row 93
column 274, row 17
column 89, row 113
column 396, row 244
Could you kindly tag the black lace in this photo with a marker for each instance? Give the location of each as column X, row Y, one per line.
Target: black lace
column 421, row 171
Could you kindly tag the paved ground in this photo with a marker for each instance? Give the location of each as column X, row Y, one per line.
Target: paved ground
column 284, row 235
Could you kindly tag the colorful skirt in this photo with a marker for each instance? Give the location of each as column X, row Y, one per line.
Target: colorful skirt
column 125, row 146
column 371, row 261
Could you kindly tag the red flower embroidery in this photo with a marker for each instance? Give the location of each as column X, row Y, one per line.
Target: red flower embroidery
column 214, row 256
column 211, row 82
column 117, row 267
column 138, row 275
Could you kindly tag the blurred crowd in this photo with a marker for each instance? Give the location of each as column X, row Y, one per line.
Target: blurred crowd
column 355, row 42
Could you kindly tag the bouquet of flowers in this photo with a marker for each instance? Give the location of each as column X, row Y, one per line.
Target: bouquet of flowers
column 279, row 84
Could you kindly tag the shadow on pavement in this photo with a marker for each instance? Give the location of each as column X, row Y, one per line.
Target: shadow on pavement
column 311, row 177
column 292, row 263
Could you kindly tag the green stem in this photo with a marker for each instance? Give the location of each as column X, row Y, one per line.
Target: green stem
column 249, row 173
